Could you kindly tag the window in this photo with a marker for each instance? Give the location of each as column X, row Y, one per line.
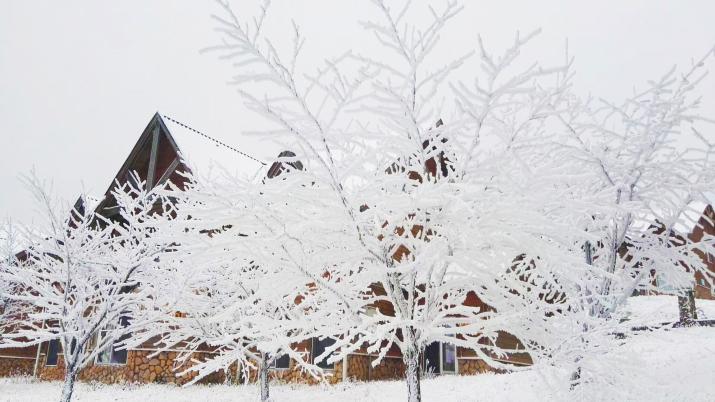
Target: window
column 281, row 362
column 105, row 356
column 439, row 358
column 53, row 349
column 430, row 359
column 449, row 358
column 319, row 346
column 110, row 355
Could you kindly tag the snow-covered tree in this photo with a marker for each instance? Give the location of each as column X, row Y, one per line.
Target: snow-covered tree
column 399, row 207
column 218, row 295
column 9, row 247
column 82, row 276
column 649, row 172
column 414, row 195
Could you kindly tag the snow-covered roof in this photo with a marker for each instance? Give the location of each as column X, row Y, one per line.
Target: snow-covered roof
column 687, row 219
column 690, row 217
column 204, row 154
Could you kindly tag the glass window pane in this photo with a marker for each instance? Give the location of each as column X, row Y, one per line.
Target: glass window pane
column 431, row 359
column 282, row 362
column 449, row 358
column 119, row 356
column 104, row 356
column 53, row 349
column 319, row 346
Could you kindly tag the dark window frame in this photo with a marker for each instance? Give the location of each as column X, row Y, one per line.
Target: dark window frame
column 281, row 362
column 327, row 342
column 52, row 353
column 443, row 358
column 116, row 357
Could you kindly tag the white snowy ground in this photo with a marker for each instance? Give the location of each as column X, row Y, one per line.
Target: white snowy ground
column 670, row 365
column 662, row 309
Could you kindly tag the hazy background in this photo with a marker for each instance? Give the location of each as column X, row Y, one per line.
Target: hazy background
column 79, row 80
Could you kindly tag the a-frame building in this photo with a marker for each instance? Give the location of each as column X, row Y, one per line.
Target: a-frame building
column 165, row 151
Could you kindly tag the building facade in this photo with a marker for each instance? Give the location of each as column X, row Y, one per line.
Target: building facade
column 158, row 157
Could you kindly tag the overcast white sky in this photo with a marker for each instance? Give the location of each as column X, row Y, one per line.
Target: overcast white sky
column 79, row 80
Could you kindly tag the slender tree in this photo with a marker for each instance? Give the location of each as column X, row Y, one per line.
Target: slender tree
column 9, row 247
column 645, row 187
column 217, row 295
column 81, row 277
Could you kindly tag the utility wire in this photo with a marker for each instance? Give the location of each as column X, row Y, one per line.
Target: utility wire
column 213, row 139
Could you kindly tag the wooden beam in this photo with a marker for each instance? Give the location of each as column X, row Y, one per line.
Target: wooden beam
column 167, row 173
column 152, row 158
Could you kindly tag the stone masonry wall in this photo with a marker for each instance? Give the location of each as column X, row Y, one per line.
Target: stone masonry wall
column 295, row 375
column 360, row 368
column 139, row 368
column 13, row 366
column 142, row 369
column 474, row 366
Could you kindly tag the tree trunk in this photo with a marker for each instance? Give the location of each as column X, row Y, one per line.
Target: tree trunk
column 576, row 375
column 68, row 388
column 575, row 378
column 686, row 307
column 412, row 375
column 263, row 378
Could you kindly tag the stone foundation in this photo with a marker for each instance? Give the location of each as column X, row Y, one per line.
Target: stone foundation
column 159, row 369
column 294, row 375
column 13, row 366
column 140, row 368
column 360, row 368
column 474, row 366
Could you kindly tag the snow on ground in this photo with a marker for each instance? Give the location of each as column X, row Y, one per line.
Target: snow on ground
column 483, row 388
column 663, row 309
column 669, row 365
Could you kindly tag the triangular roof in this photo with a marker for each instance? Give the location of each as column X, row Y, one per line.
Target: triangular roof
column 162, row 154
